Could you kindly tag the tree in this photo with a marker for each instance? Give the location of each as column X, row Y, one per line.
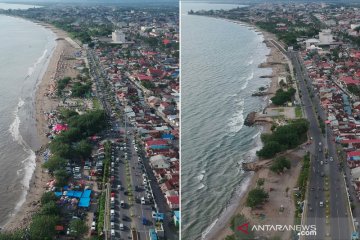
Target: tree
column 61, row 177
column 50, row 208
column 260, row 182
column 256, row 197
column 282, row 96
column 54, row 163
column 78, row 228
column 15, row 235
column 269, row 150
column 66, row 113
column 43, row 227
column 279, row 164
column 47, row 197
column 60, row 147
column 83, row 148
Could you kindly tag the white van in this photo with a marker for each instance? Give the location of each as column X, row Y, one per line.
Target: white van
column 112, row 233
column 122, row 227
column 112, row 212
column 143, row 201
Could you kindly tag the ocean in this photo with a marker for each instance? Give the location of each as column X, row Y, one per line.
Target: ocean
column 25, row 49
column 219, row 61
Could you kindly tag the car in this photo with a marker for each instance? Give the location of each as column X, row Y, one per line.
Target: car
column 87, row 167
column 312, row 189
column 125, row 218
column 326, row 162
column 322, row 174
column 122, row 228
column 122, row 203
column 143, row 201
column 321, row 204
column 144, row 221
column 112, row 225
column 119, row 187
column 321, row 162
column 331, row 159
column 112, row 233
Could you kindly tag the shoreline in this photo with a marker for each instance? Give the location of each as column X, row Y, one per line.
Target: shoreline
column 224, row 229
column 39, row 178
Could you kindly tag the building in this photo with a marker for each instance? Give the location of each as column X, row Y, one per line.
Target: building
column 118, row 37
column 326, row 37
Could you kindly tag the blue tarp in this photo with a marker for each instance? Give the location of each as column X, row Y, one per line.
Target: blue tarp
column 177, row 215
column 153, row 235
column 167, row 136
column 58, row 194
column 158, row 216
column 76, row 194
column 84, row 202
column 159, row 147
column 355, row 158
column 86, row 194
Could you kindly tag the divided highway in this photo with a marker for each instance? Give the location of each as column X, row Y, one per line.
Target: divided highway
column 326, row 182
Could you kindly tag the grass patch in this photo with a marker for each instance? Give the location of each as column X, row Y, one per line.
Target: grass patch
column 298, row 112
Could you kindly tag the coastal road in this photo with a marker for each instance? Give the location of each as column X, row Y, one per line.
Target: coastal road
column 137, row 169
column 330, row 188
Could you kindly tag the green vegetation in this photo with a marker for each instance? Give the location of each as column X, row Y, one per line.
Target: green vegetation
column 54, row 163
column 16, row 235
column 80, row 89
column 50, row 208
column 61, row 84
column 256, row 197
column 279, row 164
column 298, row 112
column 281, row 96
column 294, row 30
column 148, row 84
column 101, row 211
column 354, row 90
column 48, row 197
column 321, row 125
column 43, row 226
column 302, row 185
column 77, row 228
column 304, row 175
column 260, row 182
column 284, row 137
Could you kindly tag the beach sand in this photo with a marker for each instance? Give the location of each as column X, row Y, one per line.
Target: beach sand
column 272, row 180
column 56, row 68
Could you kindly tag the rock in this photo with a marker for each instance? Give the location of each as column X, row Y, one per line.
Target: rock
column 250, row 119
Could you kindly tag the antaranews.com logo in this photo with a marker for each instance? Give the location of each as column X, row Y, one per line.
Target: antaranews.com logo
column 247, row 232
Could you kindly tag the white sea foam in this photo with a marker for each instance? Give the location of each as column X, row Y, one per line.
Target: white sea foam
column 227, row 213
column 250, row 62
column 236, row 122
column 200, row 177
column 208, row 229
column 38, row 61
column 201, row 186
column 28, row 164
column 251, row 76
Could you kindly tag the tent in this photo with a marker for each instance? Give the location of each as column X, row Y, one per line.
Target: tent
column 84, row 202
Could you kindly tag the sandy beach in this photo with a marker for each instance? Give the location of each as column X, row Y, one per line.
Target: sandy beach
column 44, row 103
column 280, row 194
